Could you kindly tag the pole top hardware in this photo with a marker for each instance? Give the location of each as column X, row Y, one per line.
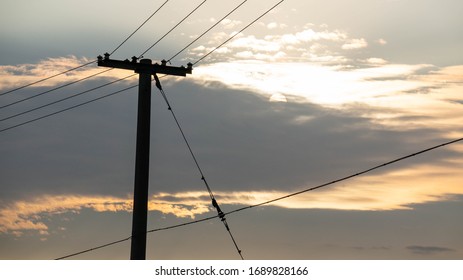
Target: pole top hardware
column 138, row 67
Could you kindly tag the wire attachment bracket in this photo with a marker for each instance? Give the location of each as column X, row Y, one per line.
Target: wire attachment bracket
column 219, row 211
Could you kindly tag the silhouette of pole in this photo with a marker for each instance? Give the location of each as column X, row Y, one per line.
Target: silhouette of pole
column 142, row 163
column 145, row 69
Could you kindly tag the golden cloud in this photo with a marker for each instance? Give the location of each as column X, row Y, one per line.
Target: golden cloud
column 27, row 215
column 394, row 190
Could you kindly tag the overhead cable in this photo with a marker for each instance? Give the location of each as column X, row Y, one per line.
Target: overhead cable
column 95, row 248
column 175, row 26
column 210, row 28
column 155, row 12
column 94, row 61
column 239, row 32
column 295, row 193
column 88, row 63
column 48, row 78
column 128, row 238
column 348, row 177
column 220, row 213
column 56, row 88
column 66, row 98
column 67, row 109
column 33, row 120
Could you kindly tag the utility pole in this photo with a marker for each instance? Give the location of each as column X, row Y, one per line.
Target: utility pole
column 145, row 69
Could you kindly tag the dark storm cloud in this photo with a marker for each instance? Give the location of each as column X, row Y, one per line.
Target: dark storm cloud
column 73, row 152
column 242, row 141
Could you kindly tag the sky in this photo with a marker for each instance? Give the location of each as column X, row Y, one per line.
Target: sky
column 312, row 92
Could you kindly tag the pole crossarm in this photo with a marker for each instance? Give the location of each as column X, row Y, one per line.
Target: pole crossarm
column 152, row 69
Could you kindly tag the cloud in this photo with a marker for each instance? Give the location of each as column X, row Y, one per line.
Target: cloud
column 321, row 103
column 310, row 35
column 312, row 43
column 293, row 107
column 256, row 44
column 32, row 215
column 355, row 44
column 230, row 111
column 396, row 95
column 448, row 75
column 230, row 24
column 394, row 190
column 376, row 61
column 429, row 250
column 19, row 75
column 272, row 25
column 381, row 42
column 327, row 85
column 21, row 216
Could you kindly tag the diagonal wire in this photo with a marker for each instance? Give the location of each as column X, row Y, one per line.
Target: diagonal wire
column 215, row 204
column 221, row 215
column 283, row 197
column 290, row 195
column 128, row 238
column 175, row 26
column 136, row 30
column 350, row 176
column 236, row 34
column 158, row 84
column 56, row 88
column 95, row 248
column 164, row 36
column 67, row 109
column 66, row 98
column 210, row 28
column 48, row 78
column 86, row 64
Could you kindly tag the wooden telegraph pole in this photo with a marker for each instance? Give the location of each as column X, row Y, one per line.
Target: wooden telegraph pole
column 145, row 69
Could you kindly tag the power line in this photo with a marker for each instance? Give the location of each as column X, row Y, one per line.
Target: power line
column 215, row 204
column 93, row 75
column 270, row 201
column 175, row 26
column 247, row 26
column 220, row 213
column 95, row 248
column 91, row 62
column 348, row 177
column 66, row 98
column 226, row 41
column 67, row 109
column 86, row 64
column 236, row 34
column 292, row 194
column 128, row 238
column 53, row 89
column 48, row 78
column 75, row 106
column 210, row 28
column 155, row 12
